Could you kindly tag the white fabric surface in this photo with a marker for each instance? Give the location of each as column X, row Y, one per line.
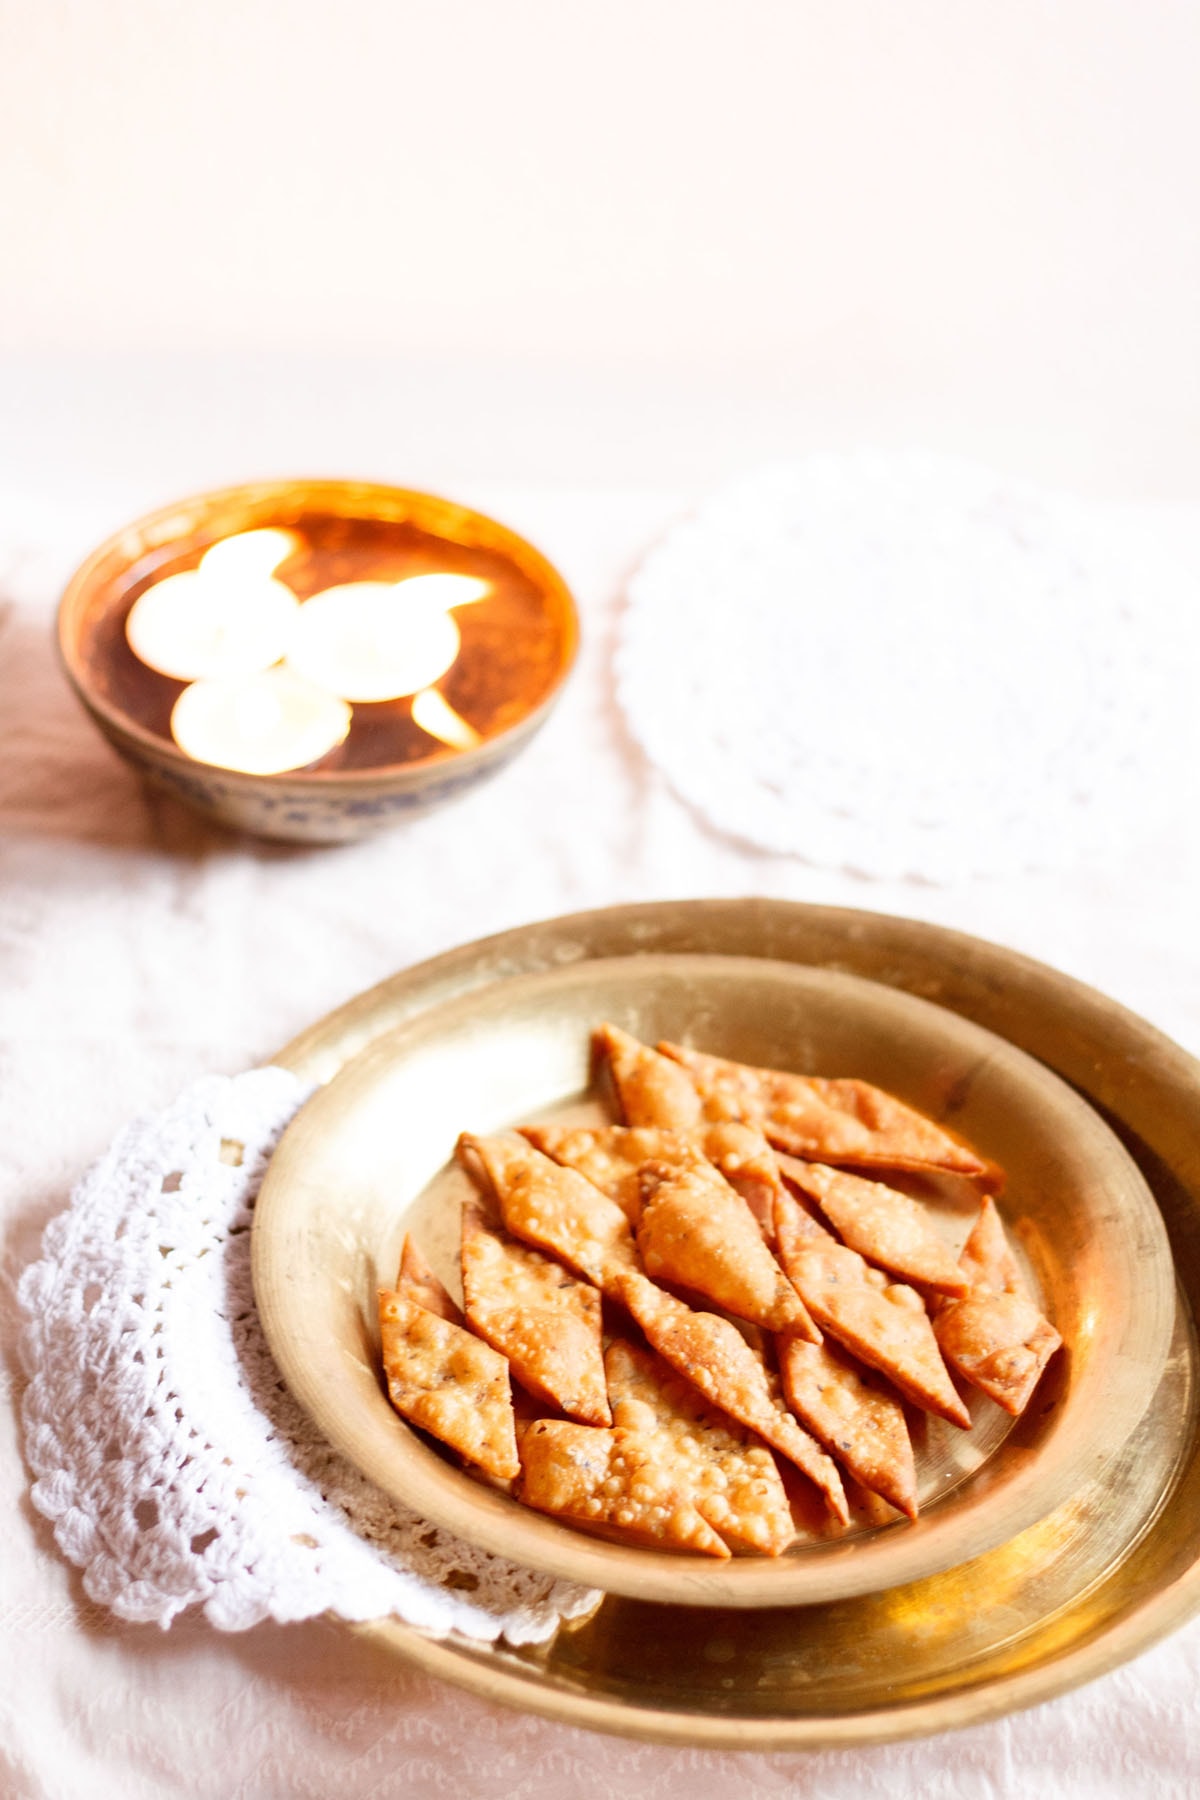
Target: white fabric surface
column 140, row 949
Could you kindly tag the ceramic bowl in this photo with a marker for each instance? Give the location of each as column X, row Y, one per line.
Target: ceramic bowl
column 339, row 799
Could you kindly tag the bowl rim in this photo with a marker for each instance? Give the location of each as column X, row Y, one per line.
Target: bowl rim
column 141, row 535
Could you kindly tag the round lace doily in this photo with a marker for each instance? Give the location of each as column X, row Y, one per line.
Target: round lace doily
column 176, row 1467
column 905, row 666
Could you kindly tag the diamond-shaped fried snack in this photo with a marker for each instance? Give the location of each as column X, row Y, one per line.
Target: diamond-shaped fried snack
column 714, row 1357
column 653, row 1090
column 884, row 1324
column 748, row 1163
column 449, row 1382
column 886, row 1227
column 995, row 1336
column 987, row 1259
column 695, row 1231
column 544, row 1321
column 611, row 1156
column 417, row 1281
column 554, row 1208
column 830, row 1121
column 862, row 1426
column 650, row 1088
column 611, row 1479
column 728, row 1472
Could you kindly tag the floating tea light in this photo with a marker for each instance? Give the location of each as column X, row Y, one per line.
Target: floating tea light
column 374, row 640
column 264, row 723
column 226, row 617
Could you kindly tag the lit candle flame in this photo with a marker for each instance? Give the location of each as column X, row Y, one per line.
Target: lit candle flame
column 434, row 714
column 444, row 591
column 248, row 553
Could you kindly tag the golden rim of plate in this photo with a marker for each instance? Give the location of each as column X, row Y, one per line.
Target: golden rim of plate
column 1113, row 1568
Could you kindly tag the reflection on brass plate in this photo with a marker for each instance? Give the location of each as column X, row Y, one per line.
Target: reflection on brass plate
column 366, row 1161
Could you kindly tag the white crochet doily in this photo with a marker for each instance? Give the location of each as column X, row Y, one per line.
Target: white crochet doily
column 176, row 1467
column 905, row 665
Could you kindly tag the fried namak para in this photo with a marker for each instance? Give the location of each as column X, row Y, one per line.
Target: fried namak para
column 714, row 1357
column 613, row 1481
column 449, row 1382
column 695, row 1231
column 748, row 1163
column 987, row 1259
column 995, row 1336
column 648, row 1086
column 855, row 1420
column 611, row 1155
column 538, row 1316
column 417, row 1281
column 829, row 1121
column 728, row 1472
column 652, row 1090
column 887, row 1227
column 554, row 1208
column 884, row 1324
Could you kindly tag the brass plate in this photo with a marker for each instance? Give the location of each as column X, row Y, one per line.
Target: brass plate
column 365, row 1161
column 1108, row 1572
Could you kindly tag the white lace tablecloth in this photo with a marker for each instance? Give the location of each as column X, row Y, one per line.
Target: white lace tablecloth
column 175, row 1465
column 140, row 950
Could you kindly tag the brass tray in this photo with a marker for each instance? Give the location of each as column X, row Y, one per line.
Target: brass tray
column 1114, row 1567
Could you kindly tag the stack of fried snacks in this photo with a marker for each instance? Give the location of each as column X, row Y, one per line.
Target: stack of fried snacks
column 680, row 1300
